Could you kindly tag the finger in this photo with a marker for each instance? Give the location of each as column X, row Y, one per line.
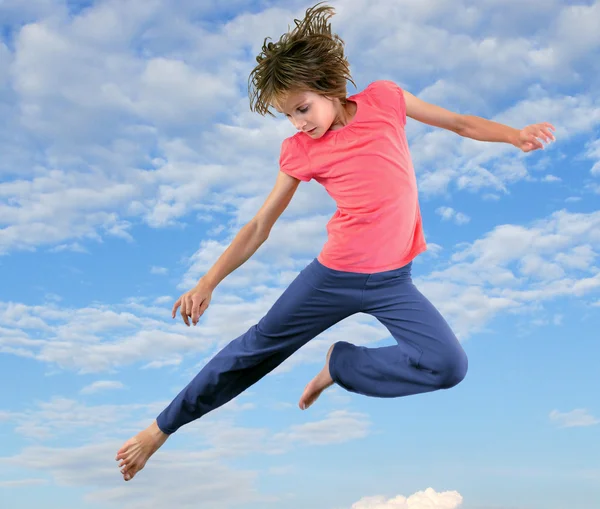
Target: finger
column 203, row 308
column 177, row 304
column 196, row 310
column 188, row 310
column 538, row 140
column 183, row 312
column 543, row 134
column 543, row 137
column 535, row 142
column 550, row 134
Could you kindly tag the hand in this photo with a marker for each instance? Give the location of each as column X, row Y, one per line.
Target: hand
column 528, row 138
column 193, row 303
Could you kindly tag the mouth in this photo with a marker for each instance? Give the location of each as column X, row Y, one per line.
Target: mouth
column 311, row 131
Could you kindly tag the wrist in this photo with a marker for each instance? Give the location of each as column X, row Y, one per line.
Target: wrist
column 513, row 137
column 207, row 283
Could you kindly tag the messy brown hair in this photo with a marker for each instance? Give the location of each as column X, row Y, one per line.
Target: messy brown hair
column 308, row 58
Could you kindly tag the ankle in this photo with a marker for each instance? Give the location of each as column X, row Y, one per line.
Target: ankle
column 155, row 431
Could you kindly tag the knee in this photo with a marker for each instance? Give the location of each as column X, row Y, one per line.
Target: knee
column 455, row 370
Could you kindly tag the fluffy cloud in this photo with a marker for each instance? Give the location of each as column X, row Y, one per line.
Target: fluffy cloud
column 98, row 339
column 593, row 153
column 209, row 442
column 101, row 385
column 128, row 113
column 513, row 267
column 428, row 499
column 93, row 468
column 449, row 214
column 339, row 427
column 574, row 419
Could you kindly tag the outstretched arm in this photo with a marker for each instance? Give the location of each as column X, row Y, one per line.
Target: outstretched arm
column 477, row 128
column 247, row 241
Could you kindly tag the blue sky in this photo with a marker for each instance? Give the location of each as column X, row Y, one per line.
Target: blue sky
column 130, row 159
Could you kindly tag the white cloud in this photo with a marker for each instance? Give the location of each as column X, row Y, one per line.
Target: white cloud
column 60, row 417
column 428, row 499
column 433, row 249
column 551, row 178
column 101, row 337
column 576, row 418
column 95, row 103
column 209, row 442
column 159, row 270
column 135, row 112
column 580, row 257
column 513, row 267
column 476, row 166
column 448, row 214
column 593, row 153
column 101, row 385
column 92, row 468
column 93, row 338
column 164, row 299
column 175, row 360
column 338, row 427
column 23, row 483
column 103, row 88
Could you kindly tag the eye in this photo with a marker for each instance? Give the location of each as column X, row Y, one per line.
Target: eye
column 303, row 110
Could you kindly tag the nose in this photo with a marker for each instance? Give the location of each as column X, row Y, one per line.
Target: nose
column 300, row 125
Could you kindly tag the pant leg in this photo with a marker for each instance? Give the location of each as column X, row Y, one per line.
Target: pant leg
column 312, row 303
column 427, row 356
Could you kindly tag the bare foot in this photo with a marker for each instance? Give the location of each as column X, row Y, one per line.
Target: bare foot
column 137, row 450
column 317, row 385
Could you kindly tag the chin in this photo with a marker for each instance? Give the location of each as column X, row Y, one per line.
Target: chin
column 318, row 133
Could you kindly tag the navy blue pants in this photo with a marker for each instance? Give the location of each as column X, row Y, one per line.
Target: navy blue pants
column 427, row 356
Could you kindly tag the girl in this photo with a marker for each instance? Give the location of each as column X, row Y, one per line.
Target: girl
column 357, row 148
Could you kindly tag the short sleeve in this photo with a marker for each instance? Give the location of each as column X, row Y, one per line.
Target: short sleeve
column 293, row 160
column 392, row 94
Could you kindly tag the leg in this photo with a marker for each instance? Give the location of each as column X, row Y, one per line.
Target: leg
column 310, row 305
column 427, row 357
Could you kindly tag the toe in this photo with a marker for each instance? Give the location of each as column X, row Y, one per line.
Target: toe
column 128, row 472
column 125, row 448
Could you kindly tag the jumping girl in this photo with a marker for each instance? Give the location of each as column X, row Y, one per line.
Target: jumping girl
column 356, row 147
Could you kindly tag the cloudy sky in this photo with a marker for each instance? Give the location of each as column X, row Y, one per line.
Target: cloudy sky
column 129, row 160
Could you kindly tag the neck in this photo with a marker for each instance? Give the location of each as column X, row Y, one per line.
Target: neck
column 345, row 113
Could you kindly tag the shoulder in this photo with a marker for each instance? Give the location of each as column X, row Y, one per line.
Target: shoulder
column 293, row 145
column 293, row 158
column 386, row 94
column 383, row 87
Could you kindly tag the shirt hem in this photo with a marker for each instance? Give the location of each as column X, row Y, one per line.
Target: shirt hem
column 371, row 270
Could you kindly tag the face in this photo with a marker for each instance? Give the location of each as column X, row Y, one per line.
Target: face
column 310, row 113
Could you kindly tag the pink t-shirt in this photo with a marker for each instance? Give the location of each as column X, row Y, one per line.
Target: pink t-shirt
column 367, row 169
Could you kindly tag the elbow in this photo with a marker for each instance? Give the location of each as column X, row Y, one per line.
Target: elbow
column 460, row 124
column 260, row 229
